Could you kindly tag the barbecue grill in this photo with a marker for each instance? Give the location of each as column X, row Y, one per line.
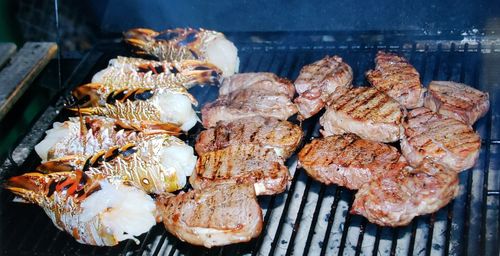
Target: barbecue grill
column 309, row 218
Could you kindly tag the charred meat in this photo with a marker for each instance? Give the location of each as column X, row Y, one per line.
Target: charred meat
column 395, row 76
column 282, row 136
column 395, row 200
column 215, row 216
column 249, row 95
column 317, row 83
column 242, row 163
column 457, row 100
column 447, row 141
column 349, row 161
column 365, row 111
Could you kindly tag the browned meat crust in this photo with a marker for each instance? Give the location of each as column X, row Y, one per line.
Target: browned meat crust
column 215, row 216
column 395, row 76
column 283, row 136
column 395, row 200
column 349, row 161
column 249, row 95
column 317, row 83
column 242, row 163
column 457, row 100
column 365, row 111
column 445, row 140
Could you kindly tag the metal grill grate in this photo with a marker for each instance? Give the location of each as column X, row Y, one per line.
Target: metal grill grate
column 309, row 218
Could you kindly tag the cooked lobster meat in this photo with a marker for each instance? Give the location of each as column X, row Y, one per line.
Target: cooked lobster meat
column 395, row 76
column 457, row 100
column 282, row 136
column 365, row 111
column 394, row 200
column 317, row 83
column 447, row 141
column 349, row 161
column 248, row 95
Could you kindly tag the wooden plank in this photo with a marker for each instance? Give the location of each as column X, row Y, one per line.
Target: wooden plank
column 6, row 50
column 21, row 71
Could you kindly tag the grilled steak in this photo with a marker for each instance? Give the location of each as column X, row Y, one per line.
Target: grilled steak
column 282, row 136
column 248, row 95
column 365, row 111
column 257, row 81
column 242, row 163
column 349, row 161
column 395, row 200
column 457, row 101
column 215, row 216
column 445, row 140
column 395, row 76
column 317, row 82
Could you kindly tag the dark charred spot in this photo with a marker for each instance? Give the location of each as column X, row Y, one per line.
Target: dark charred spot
column 202, row 68
column 145, row 95
column 114, row 153
column 98, row 160
column 168, row 36
column 82, row 100
column 190, row 38
column 174, row 70
column 129, row 151
column 86, row 166
column 52, row 189
column 194, row 54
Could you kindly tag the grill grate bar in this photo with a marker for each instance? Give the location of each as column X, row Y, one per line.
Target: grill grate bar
column 331, row 217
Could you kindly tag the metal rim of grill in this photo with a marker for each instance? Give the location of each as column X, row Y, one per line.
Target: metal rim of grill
column 309, row 218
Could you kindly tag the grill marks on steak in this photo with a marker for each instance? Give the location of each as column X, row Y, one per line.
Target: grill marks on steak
column 249, row 95
column 317, row 83
column 457, row 100
column 242, row 163
column 395, row 200
column 282, row 136
column 365, row 111
column 395, row 76
column 215, row 216
column 349, row 161
column 447, row 141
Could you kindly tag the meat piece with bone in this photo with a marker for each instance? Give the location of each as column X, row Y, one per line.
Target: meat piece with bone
column 248, row 95
column 317, row 82
column 395, row 200
column 445, row 140
column 215, row 216
column 282, row 136
column 365, row 111
column 457, row 100
column 242, row 163
column 395, row 76
column 349, row 161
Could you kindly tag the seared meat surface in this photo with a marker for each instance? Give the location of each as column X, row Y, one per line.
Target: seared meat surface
column 248, row 95
column 349, row 161
column 282, row 136
column 395, row 76
column 317, row 82
column 242, row 163
column 214, row 216
column 457, row 100
column 445, row 140
column 394, row 200
column 365, row 111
